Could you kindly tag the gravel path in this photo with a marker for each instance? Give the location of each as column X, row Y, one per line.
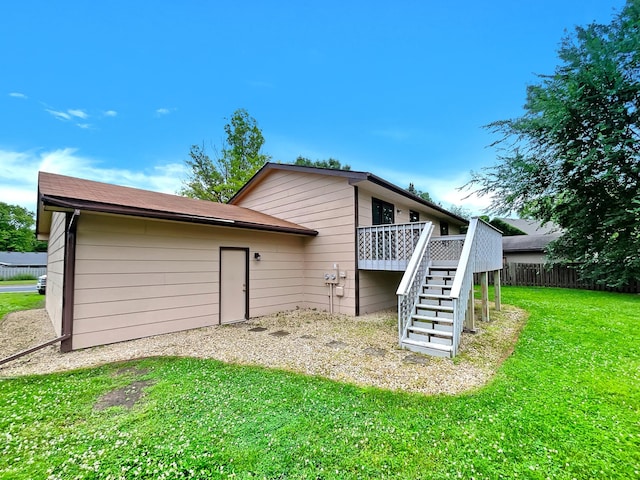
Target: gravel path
column 360, row 350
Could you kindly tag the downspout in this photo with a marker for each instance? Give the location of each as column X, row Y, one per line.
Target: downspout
column 68, row 282
column 357, row 270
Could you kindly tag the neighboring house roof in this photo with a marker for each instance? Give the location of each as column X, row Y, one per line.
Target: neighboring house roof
column 531, row 227
column 353, row 177
column 62, row 193
column 527, row 243
column 23, row 259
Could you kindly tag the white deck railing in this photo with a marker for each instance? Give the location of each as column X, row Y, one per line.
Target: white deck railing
column 482, row 252
column 413, row 278
column 388, row 247
column 447, row 249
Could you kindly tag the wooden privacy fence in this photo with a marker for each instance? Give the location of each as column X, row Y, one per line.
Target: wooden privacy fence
column 539, row 275
column 7, row 273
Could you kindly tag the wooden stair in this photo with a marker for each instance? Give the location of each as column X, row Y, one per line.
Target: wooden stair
column 430, row 328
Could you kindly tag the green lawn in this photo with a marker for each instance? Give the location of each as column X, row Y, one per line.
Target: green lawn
column 566, row 404
column 11, row 302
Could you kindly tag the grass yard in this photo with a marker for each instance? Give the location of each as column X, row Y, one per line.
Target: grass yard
column 566, row 404
column 12, row 302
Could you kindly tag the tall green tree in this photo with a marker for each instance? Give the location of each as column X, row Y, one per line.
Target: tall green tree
column 220, row 178
column 330, row 163
column 419, row 193
column 17, row 232
column 574, row 156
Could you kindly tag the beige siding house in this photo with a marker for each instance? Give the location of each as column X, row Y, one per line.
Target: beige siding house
column 127, row 263
column 336, row 203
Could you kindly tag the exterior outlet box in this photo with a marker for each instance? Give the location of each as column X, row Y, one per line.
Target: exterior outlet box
column 343, row 274
column 339, row 291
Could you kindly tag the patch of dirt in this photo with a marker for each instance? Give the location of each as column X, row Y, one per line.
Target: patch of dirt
column 416, row 359
column 126, row 396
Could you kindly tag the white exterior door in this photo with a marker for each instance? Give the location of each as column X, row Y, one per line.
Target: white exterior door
column 234, row 284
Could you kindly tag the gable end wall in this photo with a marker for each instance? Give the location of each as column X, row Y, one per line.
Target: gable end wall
column 323, row 203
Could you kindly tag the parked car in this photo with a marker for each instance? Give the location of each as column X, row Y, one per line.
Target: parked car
column 42, row 284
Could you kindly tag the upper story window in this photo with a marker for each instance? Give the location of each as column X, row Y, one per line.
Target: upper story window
column 414, row 216
column 383, row 212
column 444, row 228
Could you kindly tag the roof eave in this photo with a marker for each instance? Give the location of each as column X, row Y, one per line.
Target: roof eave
column 67, row 203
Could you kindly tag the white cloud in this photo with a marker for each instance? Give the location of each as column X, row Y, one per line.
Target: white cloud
column 77, row 113
column 18, row 95
column 19, row 174
column 164, row 111
column 58, row 114
column 69, row 114
column 110, row 113
column 84, row 126
column 444, row 190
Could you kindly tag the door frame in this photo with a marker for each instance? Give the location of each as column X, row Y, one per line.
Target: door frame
column 246, row 276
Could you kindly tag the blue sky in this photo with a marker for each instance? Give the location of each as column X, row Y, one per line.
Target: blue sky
column 118, row 91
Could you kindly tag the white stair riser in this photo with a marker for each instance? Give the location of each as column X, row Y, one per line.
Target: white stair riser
column 430, row 338
column 433, row 313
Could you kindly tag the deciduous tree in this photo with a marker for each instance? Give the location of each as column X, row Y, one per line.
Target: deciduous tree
column 419, row 193
column 220, row 178
column 16, row 230
column 574, row 156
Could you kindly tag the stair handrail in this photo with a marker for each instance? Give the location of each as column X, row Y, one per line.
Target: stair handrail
column 418, row 262
column 465, row 257
column 482, row 251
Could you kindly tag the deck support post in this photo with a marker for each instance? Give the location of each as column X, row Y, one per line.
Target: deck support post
column 496, row 287
column 484, row 284
column 469, row 319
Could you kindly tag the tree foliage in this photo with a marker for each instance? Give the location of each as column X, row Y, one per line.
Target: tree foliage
column 507, row 229
column 330, row 163
column 574, row 156
column 419, row 193
column 220, row 178
column 17, row 230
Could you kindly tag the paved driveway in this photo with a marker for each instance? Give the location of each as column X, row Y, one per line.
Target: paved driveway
column 18, row 288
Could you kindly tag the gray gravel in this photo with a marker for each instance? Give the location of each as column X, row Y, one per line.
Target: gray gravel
column 360, row 350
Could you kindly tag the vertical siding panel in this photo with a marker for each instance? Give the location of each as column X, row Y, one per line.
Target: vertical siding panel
column 55, row 270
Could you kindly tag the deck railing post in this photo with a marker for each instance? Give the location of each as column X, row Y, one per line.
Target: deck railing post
column 484, row 286
column 497, row 291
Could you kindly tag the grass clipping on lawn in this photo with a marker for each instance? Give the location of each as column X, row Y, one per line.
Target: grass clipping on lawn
column 360, row 350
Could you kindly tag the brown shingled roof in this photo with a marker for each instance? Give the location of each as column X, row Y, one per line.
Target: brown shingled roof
column 63, row 192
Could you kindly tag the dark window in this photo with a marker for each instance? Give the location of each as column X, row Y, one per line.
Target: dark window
column 444, row 228
column 414, row 216
column 382, row 212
